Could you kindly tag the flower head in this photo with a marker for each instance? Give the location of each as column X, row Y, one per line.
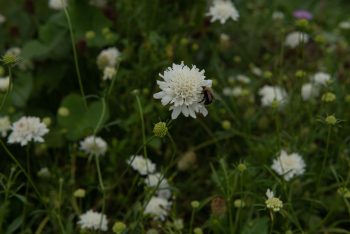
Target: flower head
column 321, row 78
column 58, row 4
column 93, row 220
column 158, row 180
column 5, row 125
column 269, row 94
column 309, row 91
column 160, row 129
column 93, row 145
column 288, row 166
column 27, row 129
column 182, row 88
column 293, row 39
column 302, row 14
column 109, row 73
column 108, row 58
column 143, row 165
column 223, row 10
column 158, row 208
column 273, row 202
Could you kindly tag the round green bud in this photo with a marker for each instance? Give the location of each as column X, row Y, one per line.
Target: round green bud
column 300, row 74
column 195, row 46
column 195, row 204
column 63, row 111
column 241, row 167
column 10, row 59
column 226, row 124
column 197, row 230
column 184, row 41
column 237, row 59
column 238, row 203
column 79, row 193
column 289, row 232
column 275, row 104
column 267, row 74
column 47, row 121
column 90, row 35
column 302, row 23
column 106, row 30
column 331, row 120
column 118, row 227
column 329, row 97
column 320, row 39
column 160, row 129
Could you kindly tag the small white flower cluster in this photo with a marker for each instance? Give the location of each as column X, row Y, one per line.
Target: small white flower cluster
column 288, row 165
column 270, row 94
column 27, row 129
column 277, row 15
column 158, row 206
column 223, row 10
column 107, row 61
column 273, row 202
column 94, row 221
column 5, row 125
column 94, row 146
column 4, row 83
column 182, row 88
column 2, row 19
column 58, row 4
column 294, row 39
column 238, row 90
column 312, row 89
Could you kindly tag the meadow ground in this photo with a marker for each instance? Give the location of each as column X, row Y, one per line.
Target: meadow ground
column 174, row 116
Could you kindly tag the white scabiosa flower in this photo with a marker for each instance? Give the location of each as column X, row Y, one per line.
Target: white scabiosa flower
column 27, row 129
column 58, row 4
column 293, row 39
column 108, row 58
column 273, row 202
column 92, row 220
column 143, row 165
column 158, row 180
column 309, row 91
column 2, row 19
column 109, row 73
column 321, row 78
column 288, row 166
column 94, row 146
column 182, row 88
column 269, row 94
column 4, row 84
column 158, row 208
column 5, row 125
column 223, row 10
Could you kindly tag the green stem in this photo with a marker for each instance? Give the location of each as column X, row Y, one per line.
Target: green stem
column 8, row 90
column 113, row 80
column 326, row 155
column 143, row 126
column 192, row 219
column 100, row 180
column 75, row 55
column 59, row 206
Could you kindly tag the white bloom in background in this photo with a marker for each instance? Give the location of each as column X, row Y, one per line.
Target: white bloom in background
column 182, row 88
column 243, row 79
column 269, row 94
column 109, row 73
column 293, row 39
column 2, row 19
column 58, row 4
column 277, row 15
column 4, row 83
column 309, row 91
column 237, row 91
column 14, row 51
column 223, row 10
column 256, row 71
column 27, row 129
column 344, row 25
column 93, row 220
column 5, row 125
column 95, row 146
column 227, row 91
column 158, row 208
column 98, row 3
column 44, row 172
column 288, row 166
column 273, row 202
column 108, row 58
column 154, row 180
column 143, row 165
column 321, row 78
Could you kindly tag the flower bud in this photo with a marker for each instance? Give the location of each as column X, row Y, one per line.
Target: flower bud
column 160, row 129
column 195, row 204
column 63, row 111
column 331, row 120
column 79, row 193
column 118, row 227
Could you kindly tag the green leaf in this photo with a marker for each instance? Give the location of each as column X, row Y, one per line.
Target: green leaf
column 256, row 226
column 34, row 49
column 22, row 87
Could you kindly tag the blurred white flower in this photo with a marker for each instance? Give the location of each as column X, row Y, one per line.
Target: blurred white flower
column 255, row 70
column 4, row 83
column 277, row 15
column 5, row 125
column 44, row 172
column 273, row 202
column 94, row 146
column 154, row 180
column 109, row 73
column 288, row 166
column 344, row 25
column 321, row 78
column 237, row 91
column 243, row 79
column 158, row 208
column 269, row 94
column 14, row 51
column 27, row 129
column 182, row 88
column 93, row 221
column 98, row 3
column 223, row 10
column 143, row 165
column 108, row 58
column 2, row 18
column 293, row 39
column 309, row 91
column 58, row 4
